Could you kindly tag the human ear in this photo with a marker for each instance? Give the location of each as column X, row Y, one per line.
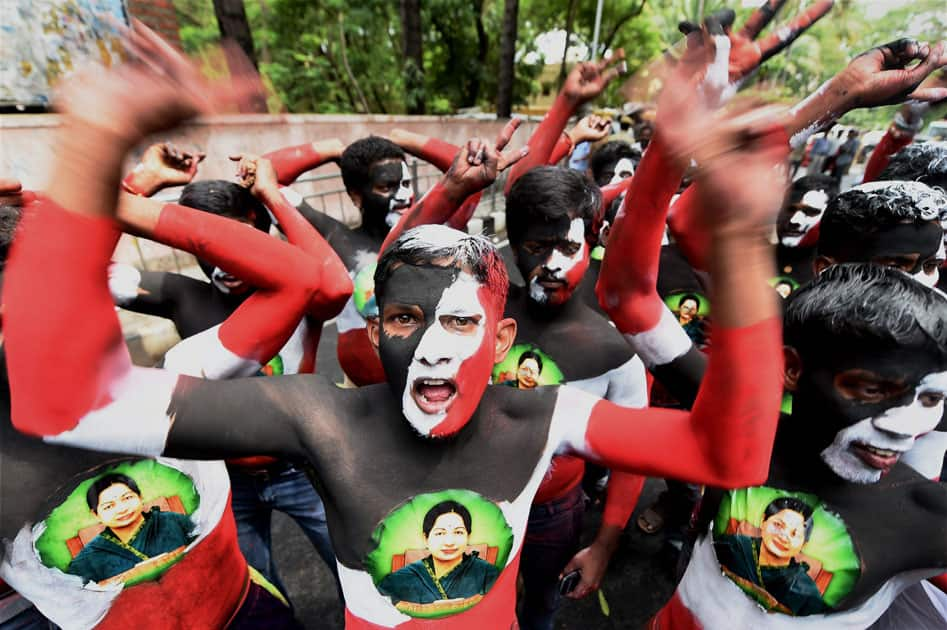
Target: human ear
column 506, row 335
column 356, row 198
column 821, row 263
column 792, row 371
column 373, row 331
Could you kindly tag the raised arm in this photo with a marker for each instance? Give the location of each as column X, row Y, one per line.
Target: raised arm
column 438, row 152
column 291, row 162
column 79, row 387
column 907, row 122
column 475, row 167
column 585, row 82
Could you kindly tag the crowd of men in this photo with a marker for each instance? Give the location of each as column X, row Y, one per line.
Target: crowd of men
column 775, row 348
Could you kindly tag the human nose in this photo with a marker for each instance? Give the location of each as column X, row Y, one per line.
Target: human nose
column 434, row 348
column 908, row 421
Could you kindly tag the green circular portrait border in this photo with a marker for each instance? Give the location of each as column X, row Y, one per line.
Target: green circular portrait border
column 551, row 374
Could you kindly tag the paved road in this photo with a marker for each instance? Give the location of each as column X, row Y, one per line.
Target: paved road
column 638, row 581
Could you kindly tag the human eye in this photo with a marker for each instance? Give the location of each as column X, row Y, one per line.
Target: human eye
column 464, row 324
column 930, row 266
column 532, row 247
column 570, row 248
column 930, row 399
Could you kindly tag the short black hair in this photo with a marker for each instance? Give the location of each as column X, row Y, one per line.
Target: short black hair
column 9, row 219
column 865, row 303
column 926, row 163
column 225, row 199
column 688, row 296
column 445, row 507
column 547, row 193
column 791, row 503
column 609, row 154
column 865, row 210
column 806, row 183
column 358, row 157
column 103, row 483
column 529, row 354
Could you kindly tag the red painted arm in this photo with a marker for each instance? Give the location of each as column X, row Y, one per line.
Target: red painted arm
column 893, row 141
column 621, row 498
column 726, row 440
column 940, row 582
column 291, row 162
column 693, row 243
column 544, row 139
column 435, row 207
column 562, row 149
column 437, row 152
column 611, row 192
column 335, row 286
column 459, row 219
column 627, row 284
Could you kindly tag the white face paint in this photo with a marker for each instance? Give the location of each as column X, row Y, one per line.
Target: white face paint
column 441, row 353
column 884, row 438
column 225, row 282
column 801, row 221
column 624, row 169
column 402, row 198
column 558, row 266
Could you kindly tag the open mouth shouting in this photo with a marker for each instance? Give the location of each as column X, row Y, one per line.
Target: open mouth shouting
column 878, row 458
column 433, row 395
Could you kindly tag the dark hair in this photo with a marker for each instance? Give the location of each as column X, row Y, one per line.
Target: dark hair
column 806, row 183
column 358, row 157
column 225, row 199
column 548, row 192
column 925, row 163
column 445, row 507
column 9, row 219
column 426, row 243
column 609, row 154
column 864, row 303
column 104, row 483
column 529, row 354
column 865, row 210
column 688, row 296
column 791, row 503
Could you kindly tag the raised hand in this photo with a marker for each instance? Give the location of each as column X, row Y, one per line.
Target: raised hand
column 746, row 51
column 881, row 76
column 590, row 129
column 162, row 165
column 478, row 163
column 256, row 174
column 590, row 78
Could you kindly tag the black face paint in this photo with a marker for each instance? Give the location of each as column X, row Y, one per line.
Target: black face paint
column 904, row 240
column 409, row 285
column 386, row 175
column 552, row 259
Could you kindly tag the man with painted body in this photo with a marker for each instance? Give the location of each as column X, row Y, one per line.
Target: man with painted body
column 436, row 425
column 550, row 216
column 859, row 401
column 796, row 227
column 259, row 485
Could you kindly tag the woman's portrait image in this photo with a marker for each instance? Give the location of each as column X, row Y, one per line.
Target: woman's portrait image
column 785, row 550
column 126, row 524
column 464, row 542
column 526, row 367
column 784, row 285
column 692, row 311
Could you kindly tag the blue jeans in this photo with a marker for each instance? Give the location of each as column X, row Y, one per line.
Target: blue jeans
column 281, row 486
column 552, row 538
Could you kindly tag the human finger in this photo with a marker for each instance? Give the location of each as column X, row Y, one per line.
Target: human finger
column 503, row 138
column 510, row 158
column 760, row 18
column 776, row 42
column 615, row 57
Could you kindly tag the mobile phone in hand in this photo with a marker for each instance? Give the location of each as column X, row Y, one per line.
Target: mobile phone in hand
column 569, row 581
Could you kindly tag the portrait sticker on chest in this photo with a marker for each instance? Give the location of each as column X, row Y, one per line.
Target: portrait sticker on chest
column 785, row 550
column 526, row 367
column 693, row 312
column 127, row 523
column 363, row 293
column 440, row 553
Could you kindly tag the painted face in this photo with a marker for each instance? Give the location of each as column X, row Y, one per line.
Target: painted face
column 553, row 258
column 798, row 218
column 527, row 375
column 614, row 173
column 915, row 249
column 447, row 539
column 436, row 346
column 390, row 193
column 877, row 406
column 687, row 310
column 784, row 533
column 119, row 506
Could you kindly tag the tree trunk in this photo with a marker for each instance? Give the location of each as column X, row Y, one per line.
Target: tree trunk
column 483, row 44
column 411, row 47
column 570, row 21
column 348, row 68
column 507, row 62
column 232, row 22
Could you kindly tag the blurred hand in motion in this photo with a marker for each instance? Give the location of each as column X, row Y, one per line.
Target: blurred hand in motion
column 163, row 165
column 590, row 129
column 588, row 79
column 256, row 174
